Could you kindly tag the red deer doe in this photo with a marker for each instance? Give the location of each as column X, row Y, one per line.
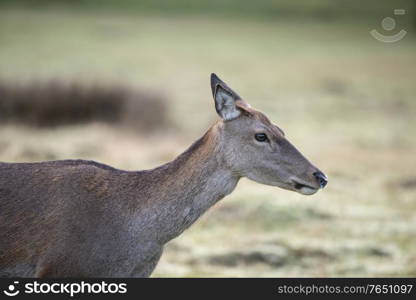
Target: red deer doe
column 76, row 218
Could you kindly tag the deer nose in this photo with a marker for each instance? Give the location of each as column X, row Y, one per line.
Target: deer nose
column 322, row 179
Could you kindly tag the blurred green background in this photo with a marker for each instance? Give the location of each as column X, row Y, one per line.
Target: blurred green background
column 79, row 79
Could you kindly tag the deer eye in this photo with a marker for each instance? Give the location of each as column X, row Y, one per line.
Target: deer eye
column 261, row 137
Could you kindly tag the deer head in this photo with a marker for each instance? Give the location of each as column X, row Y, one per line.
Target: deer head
column 256, row 148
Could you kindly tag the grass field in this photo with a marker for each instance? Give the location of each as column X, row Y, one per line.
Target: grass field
column 344, row 99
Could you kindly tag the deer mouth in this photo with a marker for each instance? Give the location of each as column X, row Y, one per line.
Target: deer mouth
column 304, row 188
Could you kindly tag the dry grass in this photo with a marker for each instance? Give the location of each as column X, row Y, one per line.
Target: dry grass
column 345, row 100
column 56, row 103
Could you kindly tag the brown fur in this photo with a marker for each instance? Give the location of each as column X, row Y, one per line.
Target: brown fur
column 76, row 218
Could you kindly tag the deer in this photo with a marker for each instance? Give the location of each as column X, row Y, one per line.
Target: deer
column 79, row 218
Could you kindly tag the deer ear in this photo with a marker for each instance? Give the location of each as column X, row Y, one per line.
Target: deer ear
column 225, row 99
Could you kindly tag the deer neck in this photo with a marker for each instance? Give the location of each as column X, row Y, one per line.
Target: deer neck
column 190, row 185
